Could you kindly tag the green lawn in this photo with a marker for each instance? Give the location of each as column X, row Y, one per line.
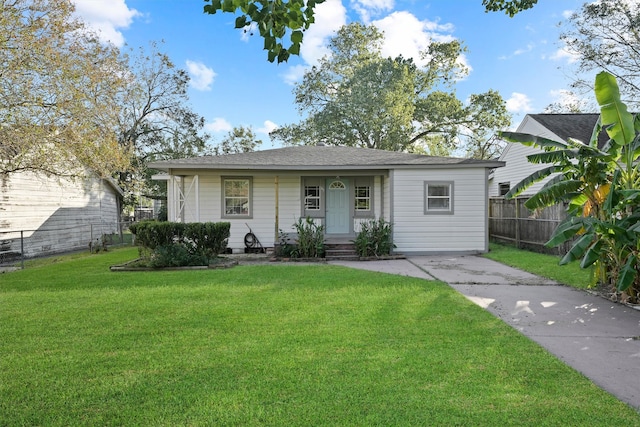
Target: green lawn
column 271, row 345
column 541, row 265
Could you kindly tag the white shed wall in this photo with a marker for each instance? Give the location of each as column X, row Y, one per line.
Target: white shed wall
column 464, row 231
column 56, row 214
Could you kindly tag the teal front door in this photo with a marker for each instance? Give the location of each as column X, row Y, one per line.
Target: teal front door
column 337, row 206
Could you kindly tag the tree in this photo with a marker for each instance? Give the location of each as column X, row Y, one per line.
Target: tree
column 355, row 97
column 238, row 140
column 602, row 189
column 510, row 7
column 155, row 120
column 276, row 19
column 59, row 92
column 604, row 35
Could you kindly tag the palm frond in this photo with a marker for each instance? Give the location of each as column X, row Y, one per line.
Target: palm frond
column 549, row 195
column 614, row 115
column 554, row 156
column 531, row 140
column 529, row 181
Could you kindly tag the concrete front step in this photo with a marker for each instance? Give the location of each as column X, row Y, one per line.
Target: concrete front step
column 344, row 252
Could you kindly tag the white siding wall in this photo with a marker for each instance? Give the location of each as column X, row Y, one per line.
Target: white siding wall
column 463, row 231
column 262, row 222
column 56, row 214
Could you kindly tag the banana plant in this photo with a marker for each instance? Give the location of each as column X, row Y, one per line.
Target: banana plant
column 601, row 186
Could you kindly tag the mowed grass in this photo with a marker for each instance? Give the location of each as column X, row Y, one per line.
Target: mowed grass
column 271, row 345
column 541, row 264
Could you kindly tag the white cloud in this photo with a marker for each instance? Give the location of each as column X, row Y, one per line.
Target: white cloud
column 566, row 14
column 564, row 54
column 529, row 48
column 519, row 103
column 268, row 127
column 329, row 16
column 106, row 18
column 201, row 75
column 218, row 125
column 406, row 35
column 567, row 101
column 367, row 8
column 294, row 74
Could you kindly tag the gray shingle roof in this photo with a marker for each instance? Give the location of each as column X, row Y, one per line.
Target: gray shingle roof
column 307, row 157
column 576, row 126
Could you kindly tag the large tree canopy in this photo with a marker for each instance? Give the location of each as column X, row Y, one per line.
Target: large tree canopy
column 356, row 97
column 282, row 23
column 58, row 92
column 155, row 120
column 605, row 35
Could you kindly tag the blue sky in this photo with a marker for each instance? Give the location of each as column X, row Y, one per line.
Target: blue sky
column 233, row 83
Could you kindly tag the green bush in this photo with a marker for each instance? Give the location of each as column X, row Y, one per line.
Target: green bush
column 172, row 244
column 175, row 255
column 309, row 242
column 375, row 238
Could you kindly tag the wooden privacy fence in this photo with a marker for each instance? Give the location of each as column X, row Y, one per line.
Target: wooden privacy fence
column 512, row 223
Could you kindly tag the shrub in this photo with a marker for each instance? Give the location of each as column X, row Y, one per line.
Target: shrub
column 375, row 238
column 175, row 255
column 309, row 242
column 172, row 244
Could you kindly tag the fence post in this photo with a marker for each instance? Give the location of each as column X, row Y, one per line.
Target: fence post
column 22, row 249
column 517, row 200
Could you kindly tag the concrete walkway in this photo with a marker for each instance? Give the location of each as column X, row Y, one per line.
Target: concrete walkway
column 598, row 338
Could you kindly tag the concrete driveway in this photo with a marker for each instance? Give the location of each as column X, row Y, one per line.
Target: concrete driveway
column 597, row 337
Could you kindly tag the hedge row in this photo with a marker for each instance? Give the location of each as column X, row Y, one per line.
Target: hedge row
column 169, row 244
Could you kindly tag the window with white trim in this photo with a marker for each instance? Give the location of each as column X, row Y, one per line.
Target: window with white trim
column 236, row 197
column 438, row 197
column 312, row 197
column 363, row 198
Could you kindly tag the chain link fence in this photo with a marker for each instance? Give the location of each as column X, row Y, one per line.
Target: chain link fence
column 18, row 246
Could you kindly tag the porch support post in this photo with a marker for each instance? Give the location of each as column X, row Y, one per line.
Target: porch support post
column 277, row 210
column 196, row 181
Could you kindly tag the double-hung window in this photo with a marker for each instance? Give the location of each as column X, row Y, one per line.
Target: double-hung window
column 363, row 197
column 312, row 197
column 438, row 197
column 236, row 197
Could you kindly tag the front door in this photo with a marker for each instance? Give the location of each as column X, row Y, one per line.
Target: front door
column 337, row 206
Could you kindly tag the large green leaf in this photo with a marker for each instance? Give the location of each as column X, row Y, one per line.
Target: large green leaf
column 595, row 134
column 612, row 198
column 531, row 140
column 627, row 274
column 578, row 248
column 530, row 180
column 551, row 194
column 614, row 115
column 554, row 156
column 592, row 255
column 565, row 231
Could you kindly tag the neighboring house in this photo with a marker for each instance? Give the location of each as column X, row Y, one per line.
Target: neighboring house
column 557, row 127
column 55, row 214
column 436, row 204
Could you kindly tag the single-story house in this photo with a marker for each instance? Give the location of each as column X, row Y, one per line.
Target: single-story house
column 436, row 204
column 55, row 214
column 557, row 127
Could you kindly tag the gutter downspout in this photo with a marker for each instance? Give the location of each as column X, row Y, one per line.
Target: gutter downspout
column 277, row 210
